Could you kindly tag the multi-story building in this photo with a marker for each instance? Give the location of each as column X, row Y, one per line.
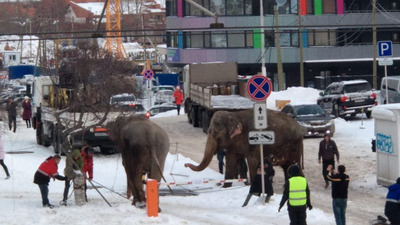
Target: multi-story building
column 337, row 37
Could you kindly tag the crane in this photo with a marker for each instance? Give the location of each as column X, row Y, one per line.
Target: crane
column 113, row 45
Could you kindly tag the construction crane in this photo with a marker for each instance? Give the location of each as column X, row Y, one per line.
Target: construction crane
column 113, row 45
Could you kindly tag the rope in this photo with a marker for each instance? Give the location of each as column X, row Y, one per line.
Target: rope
column 110, row 189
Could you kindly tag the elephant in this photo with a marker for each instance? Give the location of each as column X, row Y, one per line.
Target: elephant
column 144, row 147
column 230, row 131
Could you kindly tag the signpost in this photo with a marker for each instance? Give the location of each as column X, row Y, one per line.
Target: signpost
column 259, row 87
column 148, row 75
column 385, row 59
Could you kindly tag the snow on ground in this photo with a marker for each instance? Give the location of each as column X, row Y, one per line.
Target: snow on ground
column 20, row 201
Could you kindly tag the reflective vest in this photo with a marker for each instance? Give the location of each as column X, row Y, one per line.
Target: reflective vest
column 297, row 191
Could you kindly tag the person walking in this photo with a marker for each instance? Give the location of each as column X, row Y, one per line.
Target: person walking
column 178, row 95
column 11, row 108
column 87, row 155
column 73, row 166
column 340, row 184
column 27, row 111
column 392, row 205
column 326, row 154
column 256, row 184
column 220, row 157
column 48, row 169
column 297, row 193
column 2, row 159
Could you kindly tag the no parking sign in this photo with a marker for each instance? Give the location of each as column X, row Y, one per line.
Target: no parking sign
column 259, row 87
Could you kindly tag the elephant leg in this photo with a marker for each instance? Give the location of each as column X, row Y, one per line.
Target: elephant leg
column 252, row 163
column 231, row 168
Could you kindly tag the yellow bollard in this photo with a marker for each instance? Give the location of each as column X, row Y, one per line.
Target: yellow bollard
column 152, row 197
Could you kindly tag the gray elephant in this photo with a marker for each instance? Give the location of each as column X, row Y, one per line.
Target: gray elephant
column 144, row 147
column 230, row 131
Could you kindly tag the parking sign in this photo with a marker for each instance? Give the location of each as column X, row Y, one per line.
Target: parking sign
column 384, row 48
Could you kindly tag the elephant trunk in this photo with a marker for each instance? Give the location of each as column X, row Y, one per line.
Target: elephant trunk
column 211, row 148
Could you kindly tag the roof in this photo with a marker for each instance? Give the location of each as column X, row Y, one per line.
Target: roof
column 80, row 11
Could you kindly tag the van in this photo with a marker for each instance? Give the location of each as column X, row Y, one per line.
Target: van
column 393, row 89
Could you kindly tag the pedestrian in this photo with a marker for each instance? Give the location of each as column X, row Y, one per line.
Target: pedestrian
column 178, row 95
column 11, row 108
column 27, row 111
column 87, row 155
column 327, row 152
column 340, row 183
column 2, row 159
column 48, row 169
column 256, row 184
column 220, row 157
column 297, row 193
column 392, row 205
column 73, row 167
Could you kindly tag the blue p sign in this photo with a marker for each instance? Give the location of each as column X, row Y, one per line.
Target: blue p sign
column 384, row 48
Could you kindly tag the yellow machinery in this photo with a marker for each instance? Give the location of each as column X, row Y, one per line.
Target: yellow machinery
column 113, row 44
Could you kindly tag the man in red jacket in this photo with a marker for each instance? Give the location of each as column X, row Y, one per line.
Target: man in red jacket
column 87, row 155
column 178, row 95
column 48, row 169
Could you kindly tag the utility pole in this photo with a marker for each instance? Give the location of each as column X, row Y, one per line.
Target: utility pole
column 263, row 68
column 300, row 46
column 278, row 51
column 374, row 66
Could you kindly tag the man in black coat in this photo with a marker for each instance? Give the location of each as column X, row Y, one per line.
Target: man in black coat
column 327, row 152
column 340, row 184
column 12, row 114
column 256, row 184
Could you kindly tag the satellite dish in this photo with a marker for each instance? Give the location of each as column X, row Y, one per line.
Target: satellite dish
column 281, row 2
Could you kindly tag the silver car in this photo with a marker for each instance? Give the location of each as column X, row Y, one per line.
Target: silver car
column 312, row 118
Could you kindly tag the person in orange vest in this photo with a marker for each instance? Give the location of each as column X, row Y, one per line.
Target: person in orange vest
column 178, row 95
column 297, row 193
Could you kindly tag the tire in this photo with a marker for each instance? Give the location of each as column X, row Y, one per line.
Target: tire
column 335, row 110
column 39, row 135
column 57, row 142
column 195, row 117
column 368, row 113
column 205, row 122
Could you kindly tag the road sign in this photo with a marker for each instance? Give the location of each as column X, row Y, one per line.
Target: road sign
column 385, row 61
column 148, row 74
column 384, row 48
column 260, row 115
column 259, row 87
column 262, row 137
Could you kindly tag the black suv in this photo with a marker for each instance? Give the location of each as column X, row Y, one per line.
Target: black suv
column 348, row 98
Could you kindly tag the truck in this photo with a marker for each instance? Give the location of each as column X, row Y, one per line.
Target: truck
column 209, row 87
column 49, row 99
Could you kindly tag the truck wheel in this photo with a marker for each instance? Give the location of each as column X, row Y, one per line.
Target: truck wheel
column 205, row 121
column 195, row 117
column 368, row 113
column 57, row 143
column 200, row 118
column 335, row 110
column 39, row 135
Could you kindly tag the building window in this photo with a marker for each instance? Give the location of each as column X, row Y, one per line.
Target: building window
column 13, row 57
column 289, row 39
column 218, row 6
column 329, row 7
column 190, row 10
column 322, row 38
column 172, row 39
column 218, row 40
column 194, row 40
column 234, row 7
column 170, row 8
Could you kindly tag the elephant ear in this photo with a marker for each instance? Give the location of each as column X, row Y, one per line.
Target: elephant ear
column 234, row 126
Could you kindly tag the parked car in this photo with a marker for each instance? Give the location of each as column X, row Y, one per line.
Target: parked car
column 160, row 109
column 314, row 120
column 124, row 101
column 348, row 98
column 393, row 90
column 163, row 87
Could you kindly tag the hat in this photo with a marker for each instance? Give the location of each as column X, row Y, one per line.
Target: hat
column 294, row 170
column 26, row 97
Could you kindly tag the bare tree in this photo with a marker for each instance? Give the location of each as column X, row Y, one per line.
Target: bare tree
column 81, row 92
